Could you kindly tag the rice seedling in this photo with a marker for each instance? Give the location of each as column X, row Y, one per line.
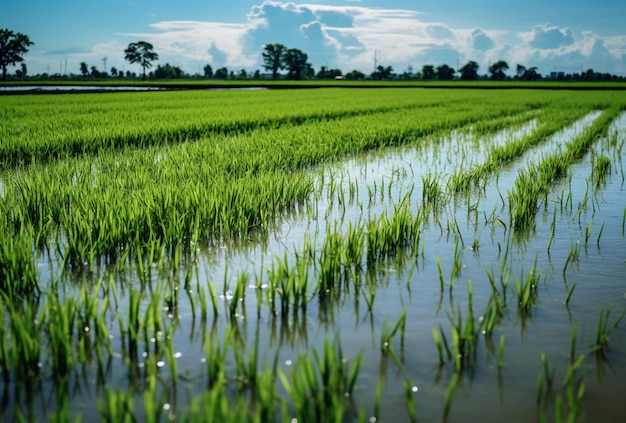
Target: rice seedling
column 526, row 290
column 410, row 390
column 604, row 331
column 501, row 351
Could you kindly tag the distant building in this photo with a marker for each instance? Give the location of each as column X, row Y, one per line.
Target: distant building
column 557, row 76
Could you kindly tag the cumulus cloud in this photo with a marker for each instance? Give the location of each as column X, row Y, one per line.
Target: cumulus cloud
column 548, row 37
column 350, row 36
column 481, row 41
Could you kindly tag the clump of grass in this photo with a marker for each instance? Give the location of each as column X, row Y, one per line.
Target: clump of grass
column 318, row 387
column 600, row 170
column 604, row 330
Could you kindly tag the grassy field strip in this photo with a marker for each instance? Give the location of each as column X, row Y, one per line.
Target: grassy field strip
column 67, row 126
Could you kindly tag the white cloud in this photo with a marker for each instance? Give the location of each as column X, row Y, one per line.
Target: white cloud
column 349, row 36
column 547, row 37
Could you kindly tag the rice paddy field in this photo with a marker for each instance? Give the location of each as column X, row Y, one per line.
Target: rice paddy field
column 318, row 255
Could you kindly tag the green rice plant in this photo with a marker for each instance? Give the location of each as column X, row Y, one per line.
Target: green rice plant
column 318, row 388
column 388, row 235
column 23, row 352
column 440, row 267
column 569, row 293
column 410, row 390
column 117, row 406
column 388, row 333
column 216, row 358
column 600, row 234
column 464, row 339
column 454, row 383
column 573, row 255
column 18, row 272
column 552, row 229
column 604, row 331
column 600, row 169
column 501, row 351
column 526, row 290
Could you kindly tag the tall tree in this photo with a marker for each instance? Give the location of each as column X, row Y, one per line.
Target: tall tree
column 13, row 46
column 296, row 63
column 469, row 71
column 428, row 72
column 208, row 71
column 382, row 72
column 84, row 69
column 497, row 70
column 445, row 73
column 274, row 58
column 141, row 52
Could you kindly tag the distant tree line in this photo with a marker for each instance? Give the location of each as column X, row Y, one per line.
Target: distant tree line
column 276, row 58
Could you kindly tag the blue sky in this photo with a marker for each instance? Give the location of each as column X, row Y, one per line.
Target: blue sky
column 554, row 35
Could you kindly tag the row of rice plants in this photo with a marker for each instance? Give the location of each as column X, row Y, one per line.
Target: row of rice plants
column 536, row 181
column 38, row 129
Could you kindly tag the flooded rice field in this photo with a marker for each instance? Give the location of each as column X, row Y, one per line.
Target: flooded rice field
column 403, row 287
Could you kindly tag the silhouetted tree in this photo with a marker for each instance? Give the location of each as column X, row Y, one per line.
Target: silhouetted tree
column 325, row 73
column 382, row 72
column 354, row 75
column 428, row 72
column 497, row 70
column 84, row 69
column 208, row 71
column 469, row 71
column 94, row 72
column 113, row 71
column 295, row 61
column 274, row 58
column 141, row 52
column 13, row 46
column 168, row 72
column 524, row 74
column 221, row 73
column 445, row 73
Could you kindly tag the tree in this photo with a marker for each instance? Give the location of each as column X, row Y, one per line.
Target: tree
column 113, row 71
column 208, row 71
column 524, row 74
column 221, row 73
column 141, row 52
column 168, row 72
column 382, row 72
column 326, row 73
column 445, row 73
column 84, row 69
column 13, row 46
column 274, row 58
column 469, row 71
column 94, row 72
column 428, row 72
column 295, row 61
column 497, row 70
column 355, row 75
